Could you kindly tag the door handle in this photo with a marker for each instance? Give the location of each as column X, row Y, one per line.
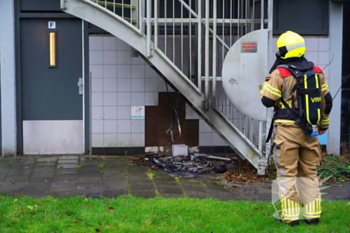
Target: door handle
column 80, row 86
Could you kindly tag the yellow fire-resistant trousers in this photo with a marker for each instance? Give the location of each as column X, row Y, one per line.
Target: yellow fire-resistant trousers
column 296, row 157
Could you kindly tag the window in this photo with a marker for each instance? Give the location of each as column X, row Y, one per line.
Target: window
column 308, row 18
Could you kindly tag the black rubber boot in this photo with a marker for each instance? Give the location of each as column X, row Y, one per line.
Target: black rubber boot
column 295, row 223
column 313, row 221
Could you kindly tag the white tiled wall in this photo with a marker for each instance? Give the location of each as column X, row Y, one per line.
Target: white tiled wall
column 119, row 81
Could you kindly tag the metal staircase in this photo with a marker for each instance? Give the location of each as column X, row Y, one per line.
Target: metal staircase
column 202, row 33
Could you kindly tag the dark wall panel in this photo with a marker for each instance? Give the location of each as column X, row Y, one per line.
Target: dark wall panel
column 159, row 118
column 40, row 5
column 345, row 119
column 305, row 17
column 345, row 97
column 346, row 47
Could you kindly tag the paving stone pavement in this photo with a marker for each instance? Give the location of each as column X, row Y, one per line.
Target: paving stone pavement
column 113, row 176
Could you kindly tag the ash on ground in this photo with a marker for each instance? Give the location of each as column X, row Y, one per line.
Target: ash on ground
column 190, row 166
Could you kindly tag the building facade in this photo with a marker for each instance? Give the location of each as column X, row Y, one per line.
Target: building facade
column 70, row 87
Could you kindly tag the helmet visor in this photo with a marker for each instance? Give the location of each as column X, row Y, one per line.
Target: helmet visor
column 291, row 50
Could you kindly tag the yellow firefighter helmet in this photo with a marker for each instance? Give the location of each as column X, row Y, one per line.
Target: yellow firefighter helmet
column 290, row 44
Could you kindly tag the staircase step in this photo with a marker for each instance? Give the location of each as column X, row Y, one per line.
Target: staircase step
column 116, row 5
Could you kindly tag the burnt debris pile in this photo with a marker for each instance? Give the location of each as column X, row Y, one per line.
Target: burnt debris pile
column 185, row 165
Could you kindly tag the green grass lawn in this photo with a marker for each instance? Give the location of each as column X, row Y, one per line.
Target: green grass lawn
column 131, row 214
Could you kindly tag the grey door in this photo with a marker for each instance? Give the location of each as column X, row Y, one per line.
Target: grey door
column 51, row 105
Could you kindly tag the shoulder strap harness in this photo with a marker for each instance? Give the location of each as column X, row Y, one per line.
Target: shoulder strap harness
column 295, row 113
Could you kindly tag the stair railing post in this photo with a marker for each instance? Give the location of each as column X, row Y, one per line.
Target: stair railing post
column 269, row 114
column 141, row 16
column 261, row 138
column 206, row 56
column 149, row 27
column 214, row 52
column 199, row 53
column 262, row 2
column 63, row 4
column 134, row 13
column 156, row 24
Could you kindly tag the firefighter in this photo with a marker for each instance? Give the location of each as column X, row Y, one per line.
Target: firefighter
column 296, row 154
